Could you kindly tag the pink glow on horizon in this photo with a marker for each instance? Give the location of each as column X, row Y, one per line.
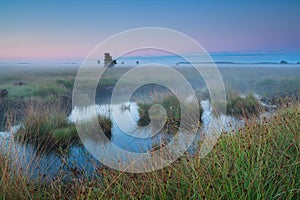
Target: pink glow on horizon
column 40, row 51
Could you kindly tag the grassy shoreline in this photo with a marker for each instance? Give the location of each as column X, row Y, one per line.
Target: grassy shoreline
column 260, row 161
column 47, row 128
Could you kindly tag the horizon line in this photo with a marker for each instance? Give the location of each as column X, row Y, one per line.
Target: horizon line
column 223, row 53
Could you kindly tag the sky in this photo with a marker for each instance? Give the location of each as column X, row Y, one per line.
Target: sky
column 59, row 30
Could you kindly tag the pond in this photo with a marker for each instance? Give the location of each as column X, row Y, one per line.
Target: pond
column 77, row 158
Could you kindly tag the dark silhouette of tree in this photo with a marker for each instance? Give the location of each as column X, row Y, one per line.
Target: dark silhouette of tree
column 98, row 61
column 283, row 62
column 108, row 61
column 114, row 62
column 137, row 62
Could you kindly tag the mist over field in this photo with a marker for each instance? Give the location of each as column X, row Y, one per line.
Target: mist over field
column 149, row 99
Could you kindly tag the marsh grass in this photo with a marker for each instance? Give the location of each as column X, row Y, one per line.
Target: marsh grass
column 173, row 111
column 245, row 107
column 273, row 89
column 67, row 83
column 106, row 125
column 36, row 89
column 144, row 113
column 46, row 127
column 260, row 161
column 172, row 108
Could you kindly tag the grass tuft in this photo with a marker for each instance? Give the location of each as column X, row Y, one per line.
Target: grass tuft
column 245, row 107
column 47, row 128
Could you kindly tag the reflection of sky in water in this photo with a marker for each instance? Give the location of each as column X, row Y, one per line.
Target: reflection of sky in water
column 223, row 123
column 125, row 131
column 49, row 164
column 122, row 136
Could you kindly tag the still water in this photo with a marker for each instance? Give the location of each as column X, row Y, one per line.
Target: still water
column 78, row 158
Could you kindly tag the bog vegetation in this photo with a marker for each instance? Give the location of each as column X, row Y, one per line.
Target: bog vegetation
column 258, row 161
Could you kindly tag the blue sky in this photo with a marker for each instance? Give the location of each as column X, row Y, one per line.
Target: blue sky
column 70, row 29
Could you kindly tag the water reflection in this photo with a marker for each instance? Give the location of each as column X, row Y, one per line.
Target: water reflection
column 223, row 123
column 124, row 132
